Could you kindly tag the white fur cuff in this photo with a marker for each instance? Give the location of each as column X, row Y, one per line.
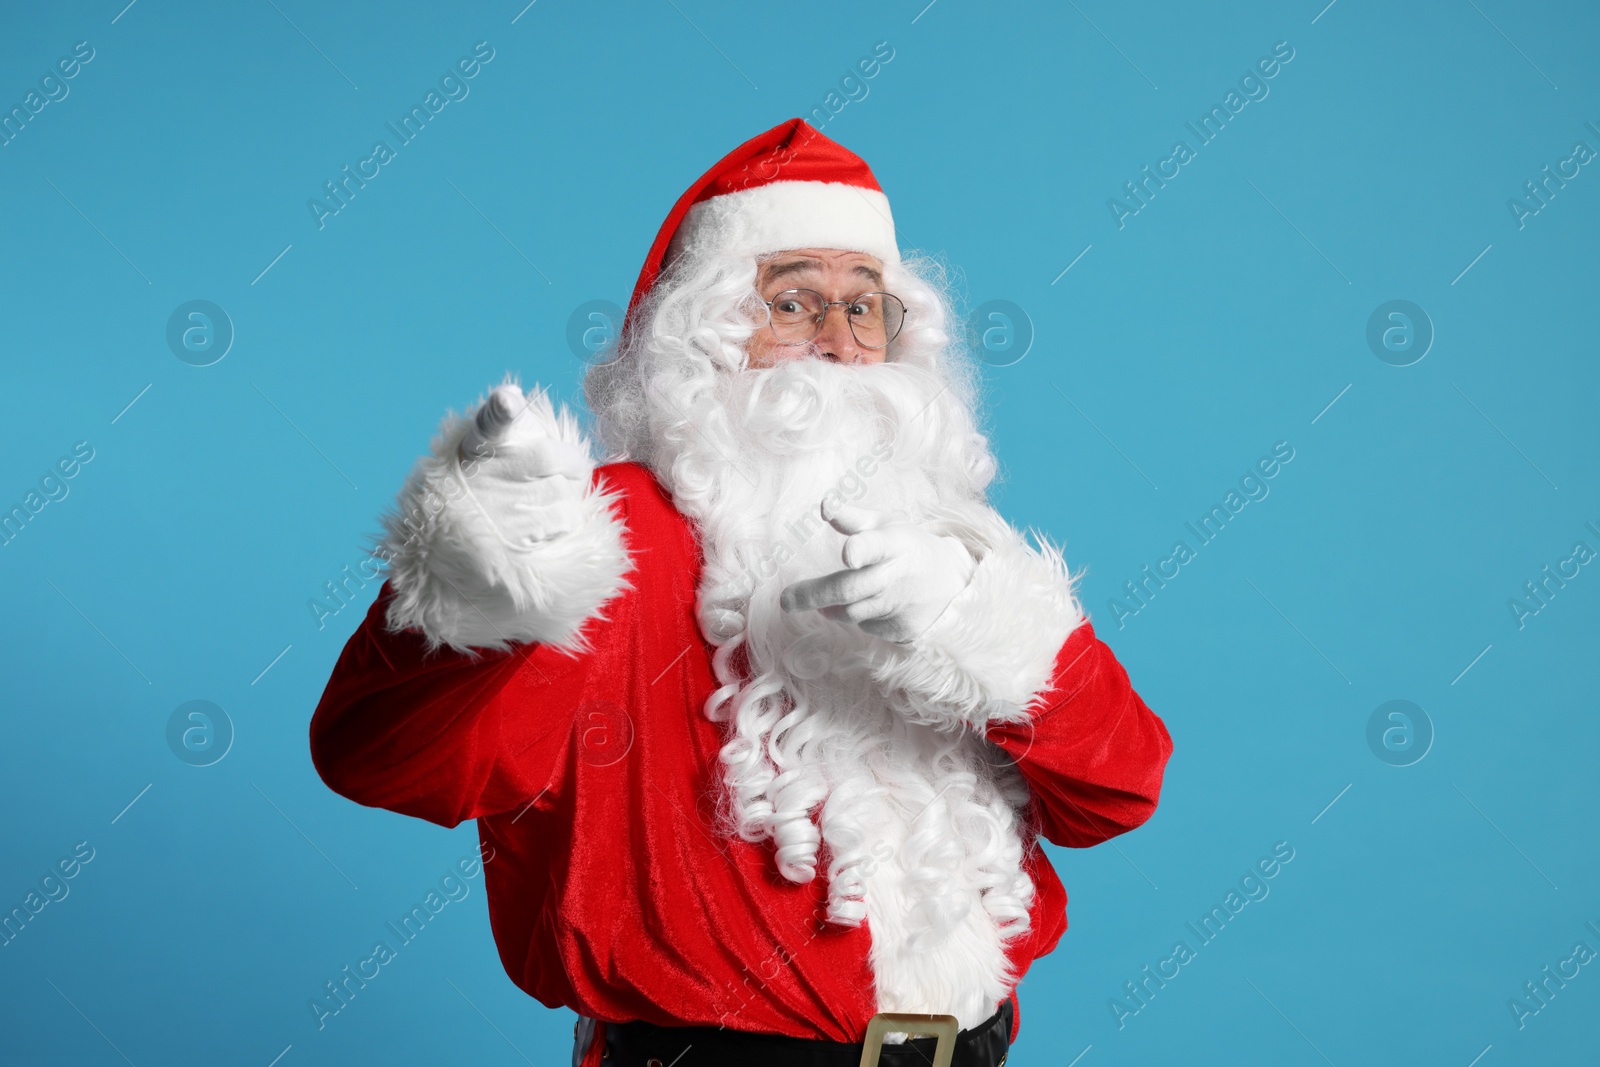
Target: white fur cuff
column 993, row 650
column 456, row 578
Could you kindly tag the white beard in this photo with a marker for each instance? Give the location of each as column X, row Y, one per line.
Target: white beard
column 918, row 822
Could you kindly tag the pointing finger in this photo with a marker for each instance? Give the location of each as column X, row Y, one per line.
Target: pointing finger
column 840, row 587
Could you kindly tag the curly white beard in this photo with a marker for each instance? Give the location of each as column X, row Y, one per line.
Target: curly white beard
column 915, row 817
column 919, row 819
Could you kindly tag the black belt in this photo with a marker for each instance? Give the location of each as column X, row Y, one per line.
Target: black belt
column 641, row 1044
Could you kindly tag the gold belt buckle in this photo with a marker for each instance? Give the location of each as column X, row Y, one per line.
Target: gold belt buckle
column 943, row 1027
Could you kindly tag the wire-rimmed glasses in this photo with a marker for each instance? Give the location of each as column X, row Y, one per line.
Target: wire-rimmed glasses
column 797, row 316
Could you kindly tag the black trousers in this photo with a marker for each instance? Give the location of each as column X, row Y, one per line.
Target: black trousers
column 638, row 1044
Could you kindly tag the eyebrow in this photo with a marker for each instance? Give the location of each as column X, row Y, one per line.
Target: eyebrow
column 802, row 266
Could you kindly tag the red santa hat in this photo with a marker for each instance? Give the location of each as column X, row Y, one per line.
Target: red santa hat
column 789, row 187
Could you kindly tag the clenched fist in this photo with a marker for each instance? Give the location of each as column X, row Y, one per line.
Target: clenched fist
column 898, row 576
column 526, row 478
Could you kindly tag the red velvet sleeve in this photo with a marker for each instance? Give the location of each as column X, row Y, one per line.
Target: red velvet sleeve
column 1092, row 754
column 441, row 736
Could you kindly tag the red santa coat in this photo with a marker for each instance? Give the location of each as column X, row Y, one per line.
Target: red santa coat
column 593, row 780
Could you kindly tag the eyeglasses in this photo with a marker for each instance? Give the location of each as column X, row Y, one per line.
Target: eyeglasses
column 797, row 316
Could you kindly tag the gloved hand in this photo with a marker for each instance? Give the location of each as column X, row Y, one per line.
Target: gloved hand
column 898, row 577
column 525, row 478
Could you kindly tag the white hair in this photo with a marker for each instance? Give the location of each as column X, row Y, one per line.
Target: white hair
column 685, row 343
column 742, row 452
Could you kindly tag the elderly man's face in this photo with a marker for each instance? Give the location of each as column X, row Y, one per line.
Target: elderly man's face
column 837, row 275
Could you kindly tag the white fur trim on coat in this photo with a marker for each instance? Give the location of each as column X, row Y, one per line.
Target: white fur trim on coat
column 993, row 649
column 460, row 582
column 784, row 215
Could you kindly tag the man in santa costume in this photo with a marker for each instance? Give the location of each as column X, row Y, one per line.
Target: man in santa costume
column 761, row 719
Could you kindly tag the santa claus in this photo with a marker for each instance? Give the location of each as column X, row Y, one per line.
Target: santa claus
column 761, row 719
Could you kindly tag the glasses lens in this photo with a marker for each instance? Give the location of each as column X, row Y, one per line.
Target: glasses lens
column 876, row 318
column 794, row 314
column 797, row 316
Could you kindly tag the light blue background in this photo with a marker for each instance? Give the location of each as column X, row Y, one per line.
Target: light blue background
column 1221, row 319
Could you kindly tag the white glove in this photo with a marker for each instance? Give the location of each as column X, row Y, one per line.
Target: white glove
column 898, row 577
column 526, row 480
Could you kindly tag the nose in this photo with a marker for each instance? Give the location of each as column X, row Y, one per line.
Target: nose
column 837, row 343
